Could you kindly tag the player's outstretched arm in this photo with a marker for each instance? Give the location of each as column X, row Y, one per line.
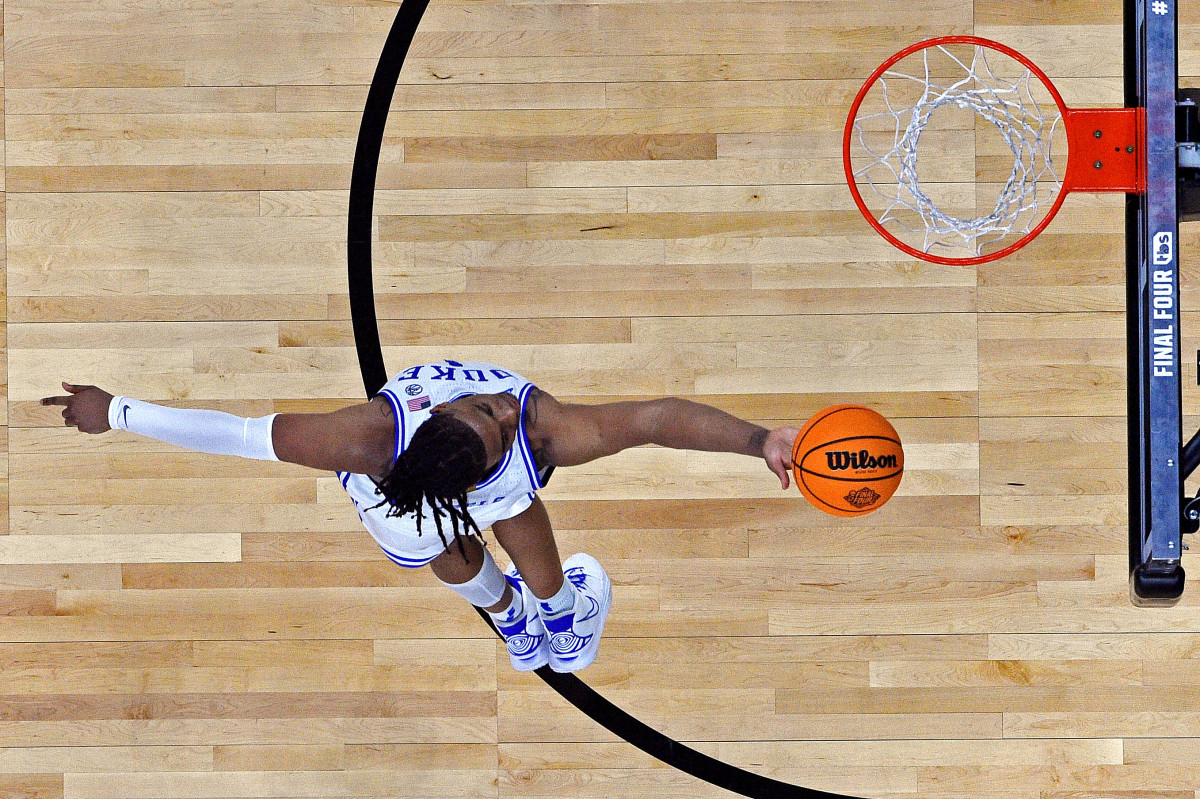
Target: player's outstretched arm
column 351, row 439
column 580, row 433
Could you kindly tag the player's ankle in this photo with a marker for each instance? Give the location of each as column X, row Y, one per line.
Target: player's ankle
column 563, row 601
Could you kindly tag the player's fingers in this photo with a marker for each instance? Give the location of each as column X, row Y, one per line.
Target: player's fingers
column 75, row 389
column 781, row 472
column 55, row 400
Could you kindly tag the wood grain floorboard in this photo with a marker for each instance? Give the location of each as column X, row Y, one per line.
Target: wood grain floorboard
column 622, row 200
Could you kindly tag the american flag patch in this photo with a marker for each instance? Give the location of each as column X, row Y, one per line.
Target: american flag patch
column 419, row 403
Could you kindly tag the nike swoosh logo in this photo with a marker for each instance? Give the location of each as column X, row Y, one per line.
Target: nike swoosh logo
column 125, row 415
column 595, row 609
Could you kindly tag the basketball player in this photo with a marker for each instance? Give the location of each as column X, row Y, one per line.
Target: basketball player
column 466, row 446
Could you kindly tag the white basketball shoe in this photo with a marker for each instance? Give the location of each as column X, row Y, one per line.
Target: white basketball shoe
column 575, row 635
column 525, row 636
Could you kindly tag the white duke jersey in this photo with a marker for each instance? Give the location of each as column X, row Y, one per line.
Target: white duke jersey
column 507, row 491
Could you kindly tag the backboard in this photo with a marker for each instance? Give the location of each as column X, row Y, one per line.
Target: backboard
column 1158, row 462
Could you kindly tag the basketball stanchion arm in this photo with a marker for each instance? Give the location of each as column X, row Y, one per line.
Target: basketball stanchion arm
column 1189, row 460
column 1191, row 456
column 1187, row 134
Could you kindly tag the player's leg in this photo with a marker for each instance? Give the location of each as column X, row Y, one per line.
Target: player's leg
column 528, row 538
column 572, row 599
column 472, row 574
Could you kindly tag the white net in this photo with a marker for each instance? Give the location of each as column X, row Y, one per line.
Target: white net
column 985, row 175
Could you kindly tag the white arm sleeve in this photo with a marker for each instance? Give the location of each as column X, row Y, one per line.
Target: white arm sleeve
column 214, row 432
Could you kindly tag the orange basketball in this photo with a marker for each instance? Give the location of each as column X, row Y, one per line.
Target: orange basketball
column 847, row 460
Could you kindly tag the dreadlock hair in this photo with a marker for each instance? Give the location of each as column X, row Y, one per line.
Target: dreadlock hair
column 445, row 458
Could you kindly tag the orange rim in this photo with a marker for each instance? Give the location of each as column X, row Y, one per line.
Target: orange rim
column 862, row 206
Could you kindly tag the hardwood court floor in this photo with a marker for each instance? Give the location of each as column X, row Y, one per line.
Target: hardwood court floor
column 618, row 200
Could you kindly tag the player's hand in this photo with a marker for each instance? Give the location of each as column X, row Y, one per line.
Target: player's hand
column 86, row 407
column 777, row 450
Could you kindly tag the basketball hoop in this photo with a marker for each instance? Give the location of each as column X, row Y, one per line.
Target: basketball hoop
column 1001, row 150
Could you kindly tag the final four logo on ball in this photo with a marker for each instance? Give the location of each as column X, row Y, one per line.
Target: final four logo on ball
column 847, row 460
